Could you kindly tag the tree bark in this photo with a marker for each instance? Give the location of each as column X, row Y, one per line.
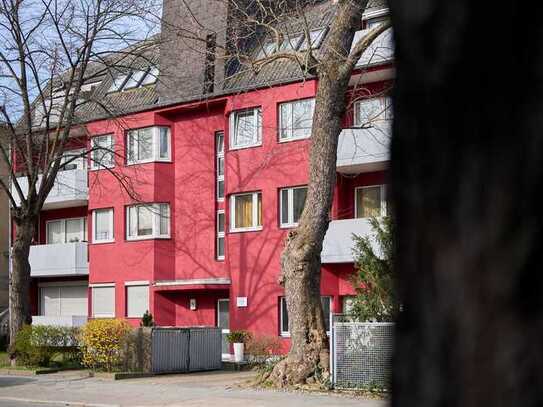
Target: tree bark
column 308, row 358
column 19, row 291
column 467, row 170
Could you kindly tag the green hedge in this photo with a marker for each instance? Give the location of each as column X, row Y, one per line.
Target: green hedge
column 43, row 345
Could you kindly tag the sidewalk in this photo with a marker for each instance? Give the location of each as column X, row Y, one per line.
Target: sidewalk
column 184, row 390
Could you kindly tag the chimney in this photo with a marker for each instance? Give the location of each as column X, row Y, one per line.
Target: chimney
column 192, row 62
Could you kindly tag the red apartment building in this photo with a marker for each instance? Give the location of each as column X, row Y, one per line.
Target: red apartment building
column 221, row 179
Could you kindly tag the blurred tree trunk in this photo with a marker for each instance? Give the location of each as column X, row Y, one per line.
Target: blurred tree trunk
column 467, row 166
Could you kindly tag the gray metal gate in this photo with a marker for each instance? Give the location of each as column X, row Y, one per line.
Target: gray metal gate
column 186, row 349
column 361, row 352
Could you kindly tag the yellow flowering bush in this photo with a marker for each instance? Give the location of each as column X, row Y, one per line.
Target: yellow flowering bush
column 102, row 342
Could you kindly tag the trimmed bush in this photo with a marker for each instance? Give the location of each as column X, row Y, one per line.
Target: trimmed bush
column 38, row 345
column 263, row 347
column 238, row 336
column 102, row 343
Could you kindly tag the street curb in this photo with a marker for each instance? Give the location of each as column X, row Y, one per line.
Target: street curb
column 63, row 402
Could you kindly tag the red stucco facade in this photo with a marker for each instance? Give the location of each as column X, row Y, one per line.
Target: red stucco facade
column 188, row 184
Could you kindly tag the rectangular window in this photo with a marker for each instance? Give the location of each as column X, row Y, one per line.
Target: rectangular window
column 102, row 222
column 246, row 212
column 326, row 303
column 296, row 119
column 148, row 221
column 371, row 111
column 292, row 202
column 103, row 302
column 102, row 155
column 219, row 153
column 246, row 128
column 137, row 300
column 370, row 201
column 220, row 235
column 66, row 230
column 148, row 145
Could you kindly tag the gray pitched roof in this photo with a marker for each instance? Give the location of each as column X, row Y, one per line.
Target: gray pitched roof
column 101, row 104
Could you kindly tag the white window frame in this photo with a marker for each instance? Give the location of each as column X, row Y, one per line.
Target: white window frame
column 111, row 142
column 129, row 284
column 290, row 131
column 290, row 214
column 63, row 223
column 111, row 225
column 220, row 235
column 255, row 226
column 383, row 198
column 155, row 212
column 385, row 114
column 257, row 135
column 155, row 147
column 286, row 334
column 102, row 285
column 219, row 155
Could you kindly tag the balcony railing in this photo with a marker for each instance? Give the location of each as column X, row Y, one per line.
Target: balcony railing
column 338, row 242
column 70, row 189
column 364, row 149
column 67, row 321
column 63, row 259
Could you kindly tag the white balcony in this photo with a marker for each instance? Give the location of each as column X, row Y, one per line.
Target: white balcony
column 364, row 149
column 338, row 242
column 70, row 189
column 55, row 260
column 72, row 321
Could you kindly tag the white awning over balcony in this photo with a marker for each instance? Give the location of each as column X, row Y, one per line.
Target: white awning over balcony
column 364, row 149
column 70, row 189
column 338, row 242
column 63, row 259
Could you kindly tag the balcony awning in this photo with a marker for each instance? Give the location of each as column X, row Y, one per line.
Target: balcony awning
column 196, row 284
column 364, row 149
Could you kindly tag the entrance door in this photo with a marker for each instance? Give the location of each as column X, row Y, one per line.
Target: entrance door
column 223, row 322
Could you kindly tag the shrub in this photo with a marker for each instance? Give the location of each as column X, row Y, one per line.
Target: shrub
column 147, row 320
column 374, row 280
column 102, row 342
column 38, row 345
column 238, row 336
column 263, row 347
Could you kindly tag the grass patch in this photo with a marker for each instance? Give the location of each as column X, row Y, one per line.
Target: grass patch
column 4, row 359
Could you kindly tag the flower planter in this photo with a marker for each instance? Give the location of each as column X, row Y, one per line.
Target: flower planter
column 238, row 352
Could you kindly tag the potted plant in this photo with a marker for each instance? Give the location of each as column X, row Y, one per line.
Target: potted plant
column 237, row 338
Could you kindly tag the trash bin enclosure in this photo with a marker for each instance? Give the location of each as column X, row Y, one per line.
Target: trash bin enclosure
column 186, row 349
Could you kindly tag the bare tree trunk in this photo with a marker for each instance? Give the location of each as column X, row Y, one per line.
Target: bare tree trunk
column 467, row 170
column 308, row 359
column 20, row 278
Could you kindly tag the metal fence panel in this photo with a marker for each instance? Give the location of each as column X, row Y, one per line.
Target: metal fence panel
column 361, row 353
column 170, row 347
column 205, row 349
column 186, row 349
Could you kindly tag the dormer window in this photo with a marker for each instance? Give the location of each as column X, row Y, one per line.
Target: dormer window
column 134, row 79
column 315, row 39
